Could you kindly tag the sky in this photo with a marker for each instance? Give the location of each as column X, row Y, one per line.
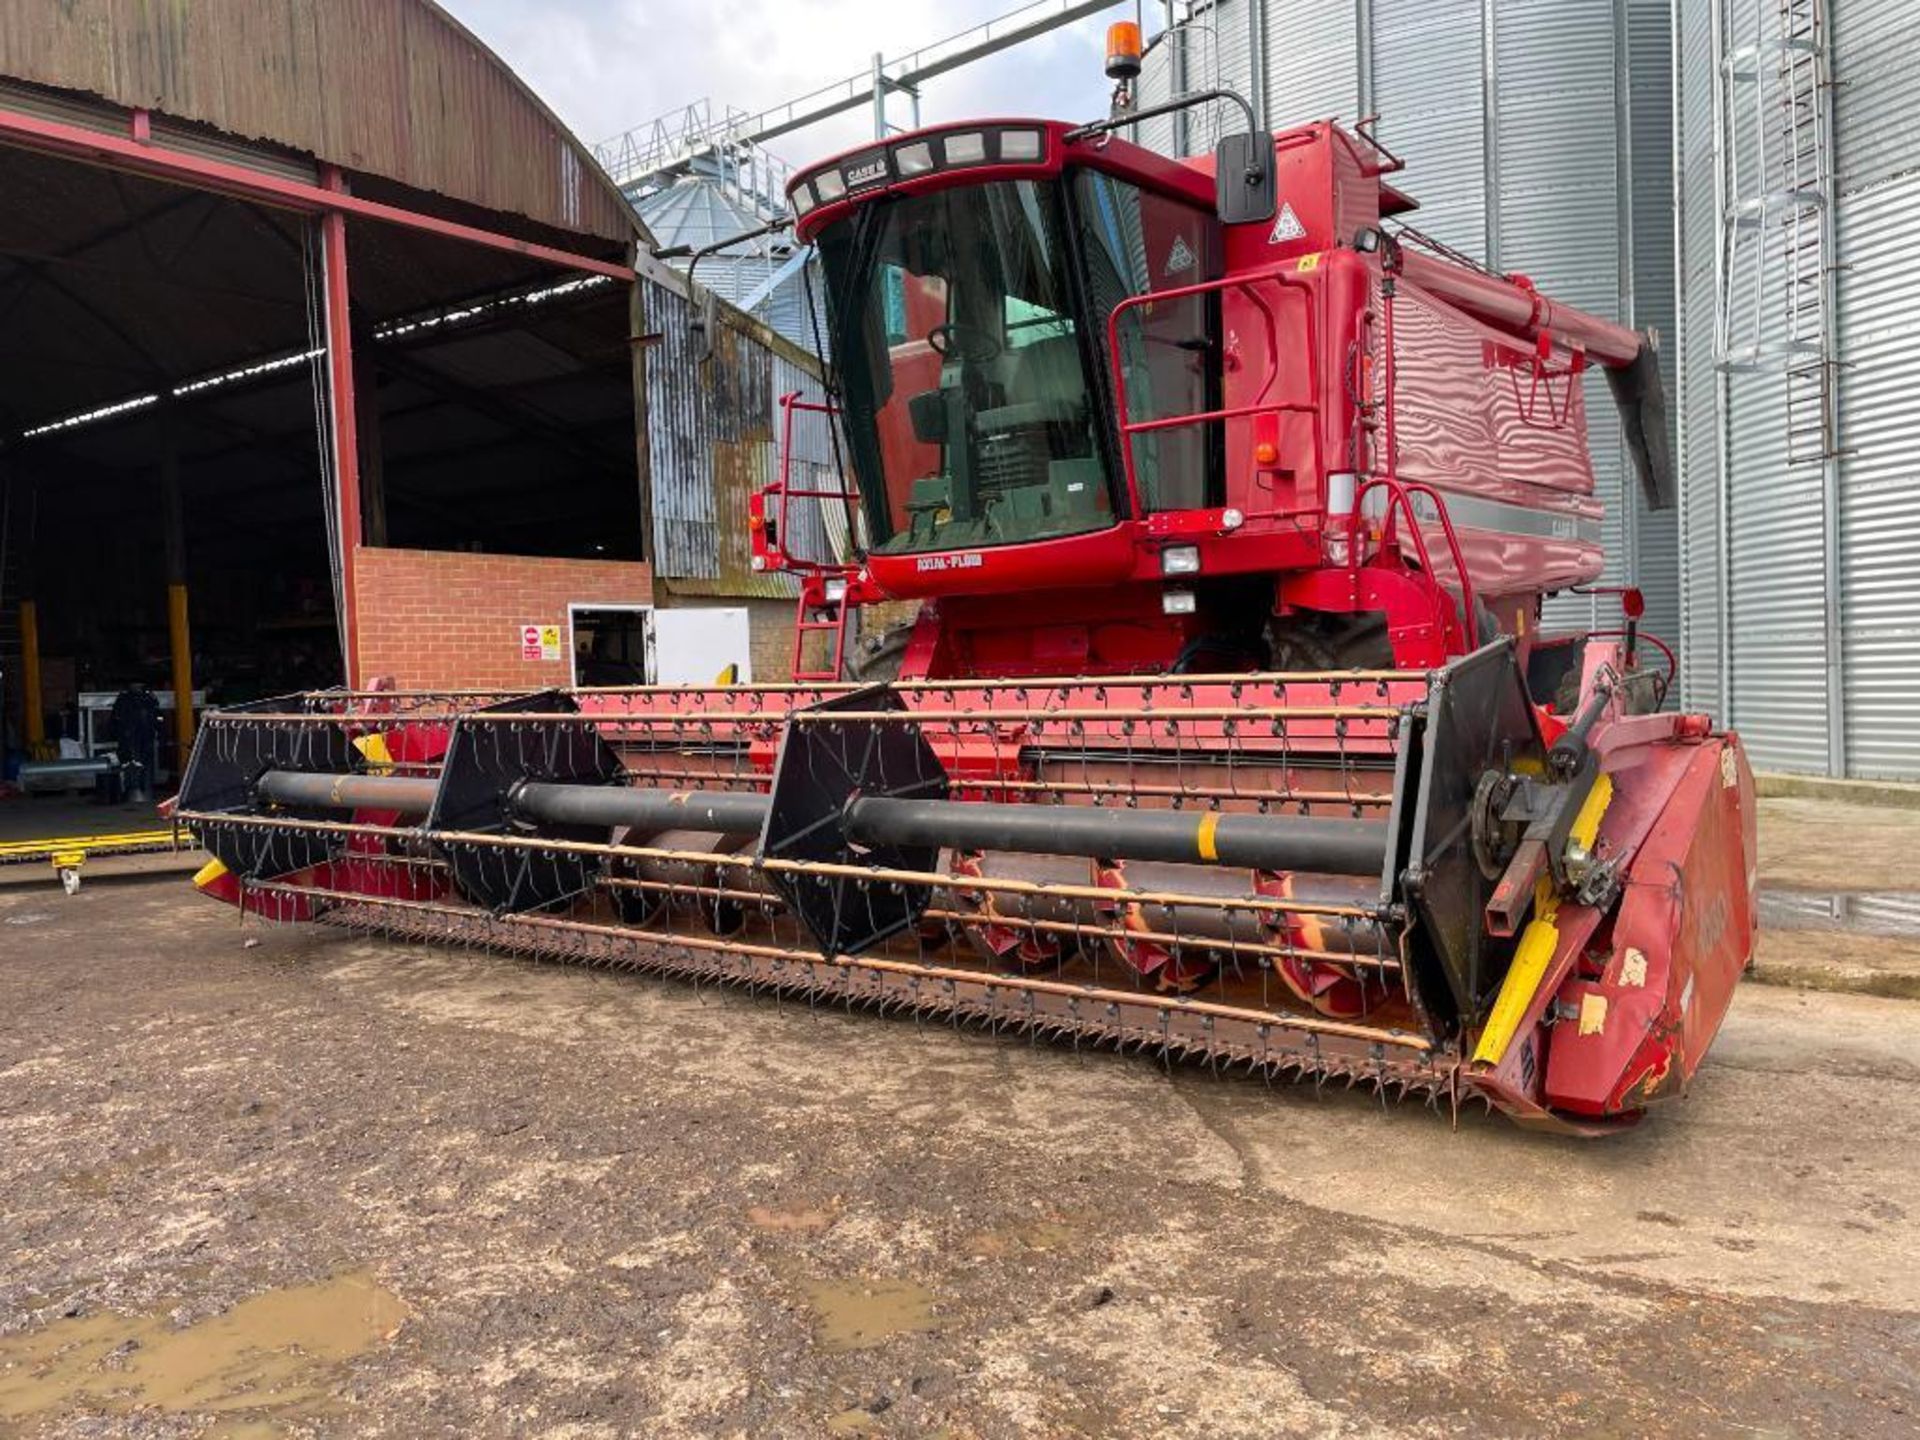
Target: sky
column 605, row 66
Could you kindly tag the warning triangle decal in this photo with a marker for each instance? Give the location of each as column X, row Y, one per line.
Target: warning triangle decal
column 1180, row 257
column 1287, row 227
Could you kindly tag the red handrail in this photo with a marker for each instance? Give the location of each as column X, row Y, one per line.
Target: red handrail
column 1130, row 428
column 1400, row 495
column 783, row 489
column 1666, row 650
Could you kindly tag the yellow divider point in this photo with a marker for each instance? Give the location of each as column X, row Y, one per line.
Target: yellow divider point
column 1538, row 940
column 374, row 747
column 1537, row 943
column 1586, row 825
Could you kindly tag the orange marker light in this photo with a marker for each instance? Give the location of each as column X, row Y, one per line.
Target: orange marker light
column 1266, row 452
column 1123, row 50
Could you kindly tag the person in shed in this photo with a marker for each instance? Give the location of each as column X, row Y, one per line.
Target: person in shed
column 135, row 721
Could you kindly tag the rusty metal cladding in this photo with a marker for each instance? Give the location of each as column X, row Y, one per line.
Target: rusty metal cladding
column 396, row 88
column 817, row 530
column 679, row 444
column 713, row 437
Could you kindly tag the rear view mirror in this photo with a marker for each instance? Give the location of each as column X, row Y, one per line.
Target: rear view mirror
column 1243, row 179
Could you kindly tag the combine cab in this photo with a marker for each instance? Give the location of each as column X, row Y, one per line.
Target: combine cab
column 1225, row 728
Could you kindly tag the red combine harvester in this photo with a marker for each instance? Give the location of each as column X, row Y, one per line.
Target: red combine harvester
column 1225, row 726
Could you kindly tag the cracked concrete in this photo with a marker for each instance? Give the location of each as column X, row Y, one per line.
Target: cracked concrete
column 612, row 1206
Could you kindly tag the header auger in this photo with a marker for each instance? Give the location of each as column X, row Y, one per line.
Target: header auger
column 1226, row 727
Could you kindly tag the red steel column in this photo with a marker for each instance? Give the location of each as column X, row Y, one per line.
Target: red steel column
column 346, row 438
column 130, row 153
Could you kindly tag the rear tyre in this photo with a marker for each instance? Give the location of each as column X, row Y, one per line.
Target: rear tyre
column 1332, row 642
column 876, row 659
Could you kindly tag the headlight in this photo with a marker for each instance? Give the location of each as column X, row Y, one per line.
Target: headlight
column 915, row 159
column 1180, row 560
column 830, row 185
column 1177, row 602
column 802, row 198
column 836, row 591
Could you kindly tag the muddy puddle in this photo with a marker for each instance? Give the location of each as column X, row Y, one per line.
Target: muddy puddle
column 852, row 1315
column 1894, row 913
column 273, row 1355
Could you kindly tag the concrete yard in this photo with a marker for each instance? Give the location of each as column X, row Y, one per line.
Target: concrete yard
column 295, row 1182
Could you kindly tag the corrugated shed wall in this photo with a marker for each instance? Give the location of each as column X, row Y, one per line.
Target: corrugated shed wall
column 714, row 427
column 785, row 309
column 1223, row 62
column 1650, row 280
column 1536, row 137
column 1775, row 584
column 1188, row 58
column 1155, row 87
column 393, row 87
column 1427, row 58
column 1312, row 64
column 797, row 309
column 1582, row 167
column 1756, row 583
column 1699, row 453
column 1896, row 915
column 1311, row 70
column 1877, row 115
column 1559, row 212
column 679, row 447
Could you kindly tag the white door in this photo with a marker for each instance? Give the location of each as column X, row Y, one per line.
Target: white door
column 695, row 646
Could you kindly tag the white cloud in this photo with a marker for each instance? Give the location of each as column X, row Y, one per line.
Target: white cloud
column 605, row 66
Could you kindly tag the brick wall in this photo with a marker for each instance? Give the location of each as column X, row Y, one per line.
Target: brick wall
column 770, row 631
column 437, row 619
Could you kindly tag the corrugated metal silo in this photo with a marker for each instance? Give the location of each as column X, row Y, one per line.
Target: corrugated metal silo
column 767, row 276
column 1800, row 369
column 1537, row 138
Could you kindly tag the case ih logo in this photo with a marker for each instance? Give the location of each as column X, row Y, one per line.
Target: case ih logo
column 868, row 172
column 965, row 560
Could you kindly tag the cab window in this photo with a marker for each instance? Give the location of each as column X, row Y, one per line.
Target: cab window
column 1139, row 243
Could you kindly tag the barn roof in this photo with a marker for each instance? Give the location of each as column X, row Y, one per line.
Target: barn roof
column 396, row 89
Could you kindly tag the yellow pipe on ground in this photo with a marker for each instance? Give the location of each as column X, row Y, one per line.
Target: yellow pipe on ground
column 178, row 635
column 36, row 716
